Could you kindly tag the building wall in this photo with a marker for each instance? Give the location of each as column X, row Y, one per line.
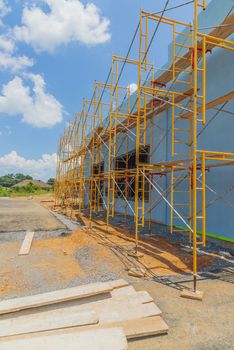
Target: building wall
column 218, row 136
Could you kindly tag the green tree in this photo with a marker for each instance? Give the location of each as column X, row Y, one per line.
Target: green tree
column 51, row 182
column 30, row 188
column 9, row 180
column 20, row 177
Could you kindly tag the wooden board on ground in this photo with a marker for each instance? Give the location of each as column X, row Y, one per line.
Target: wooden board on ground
column 118, row 283
column 122, row 308
column 144, row 327
column 129, row 291
column 111, row 310
column 48, row 320
column 26, row 245
column 104, row 339
column 137, row 328
column 141, row 297
column 107, row 311
column 59, row 296
column 125, row 291
column 189, row 294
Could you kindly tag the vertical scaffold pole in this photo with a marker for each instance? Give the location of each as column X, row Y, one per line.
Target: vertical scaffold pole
column 137, row 175
column 194, row 179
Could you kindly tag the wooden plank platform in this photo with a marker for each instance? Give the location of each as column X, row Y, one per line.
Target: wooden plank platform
column 106, row 311
column 101, row 322
column 220, row 100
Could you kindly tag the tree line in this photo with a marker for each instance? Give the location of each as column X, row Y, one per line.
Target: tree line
column 10, row 180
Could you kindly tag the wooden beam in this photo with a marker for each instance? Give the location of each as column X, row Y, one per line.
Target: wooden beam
column 184, row 62
column 225, row 98
column 178, row 99
column 222, row 32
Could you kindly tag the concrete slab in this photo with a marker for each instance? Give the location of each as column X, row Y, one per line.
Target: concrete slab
column 22, row 215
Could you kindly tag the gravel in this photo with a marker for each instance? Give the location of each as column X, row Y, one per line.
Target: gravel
column 18, row 236
column 96, row 272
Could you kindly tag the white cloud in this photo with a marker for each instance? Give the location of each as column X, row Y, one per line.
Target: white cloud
column 14, row 63
column 132, row 88
column 66, row 21
column 42, row 168
column 6, row 44
column 34, row 105
column 10, row 61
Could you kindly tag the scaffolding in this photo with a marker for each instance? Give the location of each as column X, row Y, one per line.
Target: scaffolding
column 106, row 156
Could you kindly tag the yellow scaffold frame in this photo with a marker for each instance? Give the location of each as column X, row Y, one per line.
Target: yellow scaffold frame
column 93, row 175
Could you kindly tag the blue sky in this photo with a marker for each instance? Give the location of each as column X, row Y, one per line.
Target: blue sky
column 51, row 52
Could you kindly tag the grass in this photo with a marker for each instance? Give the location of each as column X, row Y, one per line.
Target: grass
column 211, row 235
column 28, row 190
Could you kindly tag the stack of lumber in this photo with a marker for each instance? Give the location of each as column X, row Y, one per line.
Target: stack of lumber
column 96, row 316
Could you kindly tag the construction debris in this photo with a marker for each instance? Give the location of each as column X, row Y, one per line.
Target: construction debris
column 137, row 272
column 108, row 313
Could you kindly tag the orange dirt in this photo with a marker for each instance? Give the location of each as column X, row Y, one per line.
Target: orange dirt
column 160, row 256
column 10, row 274
column 55, row 261
column 50, row 262
column 51, row 259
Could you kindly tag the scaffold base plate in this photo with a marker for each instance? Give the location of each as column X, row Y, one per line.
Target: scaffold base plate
column 135, row 254
column 190, row 294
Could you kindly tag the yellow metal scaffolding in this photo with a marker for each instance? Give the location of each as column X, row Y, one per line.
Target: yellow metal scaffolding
column 97, row 169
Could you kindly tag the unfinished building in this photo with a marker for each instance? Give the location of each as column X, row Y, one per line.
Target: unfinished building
column 164, row 153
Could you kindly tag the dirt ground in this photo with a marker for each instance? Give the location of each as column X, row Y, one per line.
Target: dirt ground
column 159, row 256
column 193, row 325
column 61, row 258
column 67, row 260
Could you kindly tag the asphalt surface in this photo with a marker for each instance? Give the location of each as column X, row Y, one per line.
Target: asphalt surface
column 22, row 214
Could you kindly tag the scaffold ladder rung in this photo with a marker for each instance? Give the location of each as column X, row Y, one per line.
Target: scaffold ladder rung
column 182, row 45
